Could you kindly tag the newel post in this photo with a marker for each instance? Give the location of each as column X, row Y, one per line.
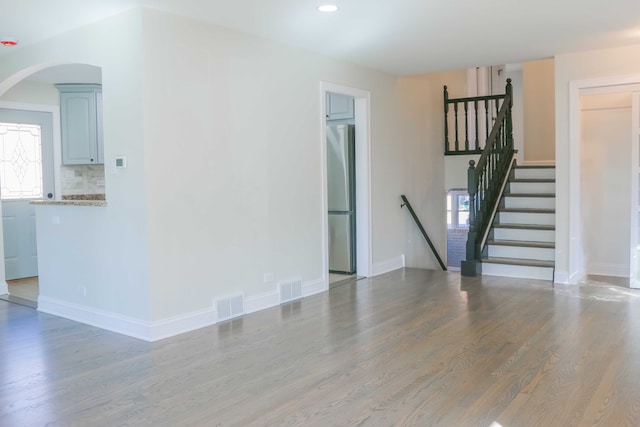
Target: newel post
column 509, row 118
column 472, row 267
column 446, row 120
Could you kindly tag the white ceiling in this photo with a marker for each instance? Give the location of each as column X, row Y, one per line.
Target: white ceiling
column 397, row 36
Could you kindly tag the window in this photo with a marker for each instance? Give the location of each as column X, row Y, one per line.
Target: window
column 20, row 161
column 457, row 209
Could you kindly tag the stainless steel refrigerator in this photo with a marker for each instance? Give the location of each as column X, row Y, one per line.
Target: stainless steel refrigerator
column 341, row 197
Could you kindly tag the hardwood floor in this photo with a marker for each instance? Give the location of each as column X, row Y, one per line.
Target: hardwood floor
column 23, row 291
column 24, row 288
column 409, row 348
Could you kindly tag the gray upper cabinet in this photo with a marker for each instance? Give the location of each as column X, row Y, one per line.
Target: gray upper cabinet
column 339, row 107
column 81, row 123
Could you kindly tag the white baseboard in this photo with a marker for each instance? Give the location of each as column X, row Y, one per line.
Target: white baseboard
column 261, row 301
column 314, row 287
column 561, row 277
column 539, row 163
column 148, row 331
column 603, row 269
column 388, row 265
column 4, row 288
column 564, row 278
column 154, row 331
column 272, row 299
column 177, row 325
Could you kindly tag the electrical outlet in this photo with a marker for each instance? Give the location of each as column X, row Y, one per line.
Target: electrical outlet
column 268, row 277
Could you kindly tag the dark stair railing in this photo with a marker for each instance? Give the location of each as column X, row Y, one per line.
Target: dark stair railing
column 476, row 128
column 485, row 180
column 422, row 230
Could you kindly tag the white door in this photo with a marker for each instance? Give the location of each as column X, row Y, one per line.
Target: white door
column 26, row 173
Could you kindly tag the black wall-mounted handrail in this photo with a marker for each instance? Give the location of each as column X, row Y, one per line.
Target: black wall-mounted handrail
column 422, row 230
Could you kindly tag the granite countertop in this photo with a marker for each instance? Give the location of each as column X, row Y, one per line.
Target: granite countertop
column 75, row 200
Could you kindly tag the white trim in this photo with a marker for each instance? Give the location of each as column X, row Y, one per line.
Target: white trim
column 161, row 329
column 148, row 331
column 4, row 288
column 389, row 265
column 563, row 278
column 261, row 301
column 605, row 269
column 180, row 324
column 539, row 163
column 314, row 287
column 364, row 254
column 635, row 175
column 576, row 267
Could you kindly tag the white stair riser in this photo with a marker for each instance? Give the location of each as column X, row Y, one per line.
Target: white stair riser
column 530, row 202
column 532, row 187
column 522, row 252
column 524, row 235
column 535, row 173
column 526, row 218
column 522, row 271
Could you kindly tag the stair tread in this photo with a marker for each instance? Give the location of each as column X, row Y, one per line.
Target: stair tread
column 532, row 180
column 522, row 243
column 526, row 226
column 529, row 194
column 534, row 167
column 527, row 210
column 519, row 261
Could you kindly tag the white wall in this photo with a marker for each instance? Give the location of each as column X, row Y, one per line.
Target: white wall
column 517, row 112
column 112, row 262
column 605, row 146
column 424, row 169
column 222, row 135
column 30, row 92
column 623, row 61
column 232, row 126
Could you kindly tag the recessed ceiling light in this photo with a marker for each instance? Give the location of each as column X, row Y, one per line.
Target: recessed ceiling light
column 328, row 8
column 8, row 41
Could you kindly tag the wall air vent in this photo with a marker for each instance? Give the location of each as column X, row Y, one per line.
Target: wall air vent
column 229, row 308
column 290, row 290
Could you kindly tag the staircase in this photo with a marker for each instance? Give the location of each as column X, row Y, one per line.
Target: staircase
column 521, row 242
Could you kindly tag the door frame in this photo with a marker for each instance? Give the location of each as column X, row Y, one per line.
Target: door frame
column 362, row 104
column 55, row 116
column 576, row 269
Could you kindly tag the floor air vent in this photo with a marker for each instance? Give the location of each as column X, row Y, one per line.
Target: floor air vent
column 228, row 308
column 290, row 291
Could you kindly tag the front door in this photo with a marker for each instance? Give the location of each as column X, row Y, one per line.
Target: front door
column 26, row 173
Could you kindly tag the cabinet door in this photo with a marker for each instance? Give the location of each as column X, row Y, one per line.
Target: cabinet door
column 339, row 107
column 100, row 144
column 79, row 137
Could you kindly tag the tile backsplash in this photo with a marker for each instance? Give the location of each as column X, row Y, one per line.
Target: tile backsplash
column 82, row 179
